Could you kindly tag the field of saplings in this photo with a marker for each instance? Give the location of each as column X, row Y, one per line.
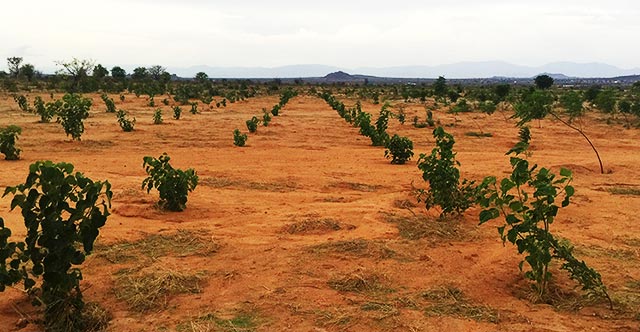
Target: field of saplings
column 201, row 205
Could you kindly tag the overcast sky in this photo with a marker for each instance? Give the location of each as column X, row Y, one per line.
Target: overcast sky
column 340, row 33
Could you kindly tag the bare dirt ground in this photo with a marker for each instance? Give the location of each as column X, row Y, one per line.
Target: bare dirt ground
column 309, row 228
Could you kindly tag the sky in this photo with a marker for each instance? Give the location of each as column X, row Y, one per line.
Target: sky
column 340, row 33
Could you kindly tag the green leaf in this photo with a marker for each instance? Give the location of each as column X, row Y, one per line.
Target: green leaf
column 489, row 214
column 565, row 172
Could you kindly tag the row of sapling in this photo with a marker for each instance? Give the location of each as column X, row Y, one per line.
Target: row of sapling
column 63, row 213
column 240, row 139
column 527, row 201
column 398, row 148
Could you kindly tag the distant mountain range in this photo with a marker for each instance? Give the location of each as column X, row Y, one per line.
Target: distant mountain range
column 486, row 69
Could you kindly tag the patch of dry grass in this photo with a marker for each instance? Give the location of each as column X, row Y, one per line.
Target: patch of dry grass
column 357, row 247
column 355, row 186
column 224, row 182
column 241, row 322
column 316, row 226
column 360, row 282
column 151, row 291
column 450, row 301
column 181, row 243
column 420, row 227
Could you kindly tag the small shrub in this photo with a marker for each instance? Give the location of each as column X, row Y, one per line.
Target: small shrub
column 157, row 116
column 23, row 103
column 111, row 106
column 8, row 137
column 487, row 107
column 125, row 123
column 239, row 139
column 177, row 111
column 174, row 185
column 165, row 101
column 461, row 107
column 266, row 117
column 194, row 108
column 276, row 110
column 402, row 117
column 439, row 169
column 63, row 212
column 45, row 111
column 252, row 124
column 75, row 109
column 152, row 103
column 122, row 98
column 400, row 149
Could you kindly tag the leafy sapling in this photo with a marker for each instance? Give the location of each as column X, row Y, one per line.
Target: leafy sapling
column 173, row 184
column 400, row 149
column 8, row 137
column 440, row 169
column 63, row 212
column 239, row 139
column 125, row 122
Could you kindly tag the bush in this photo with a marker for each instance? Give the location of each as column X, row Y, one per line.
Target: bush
column 157, row 116
column 194, row 108
column 63, row 212
column 276, row 110
column 174, row 185
column 239, row 139
column 252, row 124
column 177, row 111
column 439, row 169
column 8, row 137
column 400, row 149
column 23, row 103
column 125, row 123
column 266, row 118
column 46, row 111
column 461, row 107
column 75, row 109
column 165, row 101
column 111, row 106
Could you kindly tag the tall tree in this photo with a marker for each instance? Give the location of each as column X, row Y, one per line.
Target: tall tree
column 99, row 71
column 77, row 69
column 440, row 88
column 14, row 66
column 140, row 73
column 543, row 82
column 118, row 72
column 156, row 72
column 28, row 71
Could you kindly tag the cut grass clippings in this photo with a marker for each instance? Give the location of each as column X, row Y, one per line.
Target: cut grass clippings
column 451, row 301
column 151, row 291
column 316, row 226
column 181, row 243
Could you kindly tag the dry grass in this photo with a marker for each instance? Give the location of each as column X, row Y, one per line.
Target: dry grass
column 151, row 291
column 355, row 186
column 615, row 253
column 420, row 227
column 625, row 191
column 357, row 247
column 333, row 318
column 316, row 226
column 360, row 282
column 181, row 243
column 478, row 134
column 242, row 322
column 224, row 182
column 451, row 301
